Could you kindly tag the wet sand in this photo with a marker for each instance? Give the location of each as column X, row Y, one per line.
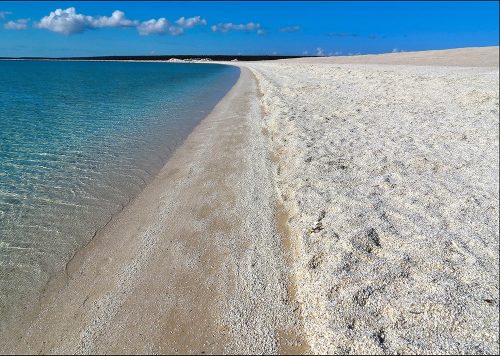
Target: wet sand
column 193, row 265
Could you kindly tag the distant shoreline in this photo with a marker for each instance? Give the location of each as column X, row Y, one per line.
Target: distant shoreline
column 161, row 58
column 370, row 57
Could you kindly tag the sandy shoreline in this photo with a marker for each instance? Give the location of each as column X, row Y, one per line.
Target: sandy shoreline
column 326, row 205
column 192, row 265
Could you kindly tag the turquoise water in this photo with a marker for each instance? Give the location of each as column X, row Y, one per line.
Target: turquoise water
column 78, row 140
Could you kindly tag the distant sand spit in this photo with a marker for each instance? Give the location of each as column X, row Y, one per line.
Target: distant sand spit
column 463, row 57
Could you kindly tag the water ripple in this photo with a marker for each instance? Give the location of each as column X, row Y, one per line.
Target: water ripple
column 77, row 141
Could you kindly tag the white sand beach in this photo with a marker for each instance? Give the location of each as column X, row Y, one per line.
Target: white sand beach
column 326, row 205
column 390, row 177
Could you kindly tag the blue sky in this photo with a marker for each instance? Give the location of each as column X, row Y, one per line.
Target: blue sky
column 284, row 28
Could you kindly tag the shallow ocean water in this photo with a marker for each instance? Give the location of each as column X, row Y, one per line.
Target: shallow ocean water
column 78, row 140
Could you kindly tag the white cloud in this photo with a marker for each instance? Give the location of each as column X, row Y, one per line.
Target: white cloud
column 320, row 52
column 163, row 26
column 153, row 26
column 117, row 19
column 69, row 22
column 306, row 52
column 160, row 26
column 20, row 24
column 3, row 14
column 397, row 50
column 191, row 22
column 228, row 26
column 65, row 21
column 290, row 29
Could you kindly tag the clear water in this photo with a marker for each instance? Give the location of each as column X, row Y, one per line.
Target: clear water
column 78, row 140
